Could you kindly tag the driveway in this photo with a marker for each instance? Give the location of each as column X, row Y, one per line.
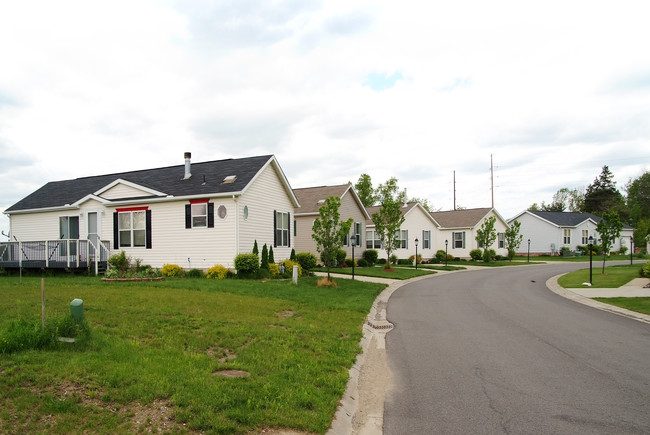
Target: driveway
column 494, row 351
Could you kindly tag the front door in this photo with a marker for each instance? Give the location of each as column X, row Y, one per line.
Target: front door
column 93, row 233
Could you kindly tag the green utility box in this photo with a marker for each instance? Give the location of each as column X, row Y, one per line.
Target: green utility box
column 77, row 309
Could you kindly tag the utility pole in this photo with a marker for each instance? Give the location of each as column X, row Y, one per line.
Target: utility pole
column 492, row 179
column 454, row 190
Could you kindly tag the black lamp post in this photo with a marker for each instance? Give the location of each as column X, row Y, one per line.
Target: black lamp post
column 529, row 250
column 416, row 253
column 631, row 248
column 446, row 243
column 591, row 245
column 353, row 240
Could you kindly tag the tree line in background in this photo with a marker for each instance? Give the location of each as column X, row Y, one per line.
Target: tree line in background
column 602, row 197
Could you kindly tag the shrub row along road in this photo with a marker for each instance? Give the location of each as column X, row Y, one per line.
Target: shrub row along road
column 494, row 351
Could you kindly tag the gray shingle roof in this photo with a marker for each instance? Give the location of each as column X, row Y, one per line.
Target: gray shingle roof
column 206, row 179
column 468, row 218
column 566, row 218
column 309, row 197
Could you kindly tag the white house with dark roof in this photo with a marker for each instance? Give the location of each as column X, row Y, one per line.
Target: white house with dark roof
column 195, row 215
column 418, row 224
column 458, row 228
column 311, row 199
column 550, row 231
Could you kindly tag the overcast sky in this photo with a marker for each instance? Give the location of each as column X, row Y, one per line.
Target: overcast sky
column 552, row 90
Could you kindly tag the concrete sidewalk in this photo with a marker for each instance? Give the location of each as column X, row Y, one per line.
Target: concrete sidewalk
column 585, row 295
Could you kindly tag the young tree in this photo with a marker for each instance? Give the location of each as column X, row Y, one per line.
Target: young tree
column 609, row 227
column 365, row 190
column 389, row 218
column 265, row 257
column 486, row 236
column 513, row 238
column 271, row 259
column 328, row 230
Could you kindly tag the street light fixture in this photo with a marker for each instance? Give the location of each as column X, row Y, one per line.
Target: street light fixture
column 446, row 243
column 591, row 245
column 416, row 253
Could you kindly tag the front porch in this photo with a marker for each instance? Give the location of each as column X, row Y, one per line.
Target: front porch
column 55, row 254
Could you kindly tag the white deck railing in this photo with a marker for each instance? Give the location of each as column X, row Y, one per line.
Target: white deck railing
column 51, row 254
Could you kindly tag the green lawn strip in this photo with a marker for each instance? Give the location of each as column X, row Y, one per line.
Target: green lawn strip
column 397, row 272
column 165, row 341
column 582, row 258
column 640, row 305
column 614, row 277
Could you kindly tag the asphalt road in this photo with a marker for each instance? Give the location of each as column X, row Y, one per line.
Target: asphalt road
column 494, row 351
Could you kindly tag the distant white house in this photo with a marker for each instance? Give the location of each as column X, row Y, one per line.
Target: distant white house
column 550, row 231
column 311, row 199
column 458, row 228
column 195, row 215
column 418, row 224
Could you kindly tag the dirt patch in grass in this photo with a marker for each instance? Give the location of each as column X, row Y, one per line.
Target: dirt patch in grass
column 231, row 373
column 154, row 418
column 284, row 314
column 151, row 418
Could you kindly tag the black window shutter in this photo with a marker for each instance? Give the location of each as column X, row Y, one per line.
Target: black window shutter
column 148, row 234
column 116, row 232
column 289, row 230
column 275, row 232
column 211, row 215
column 188, row 216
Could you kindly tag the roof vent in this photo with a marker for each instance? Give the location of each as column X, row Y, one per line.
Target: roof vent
column 229, row 179
column 188, row 166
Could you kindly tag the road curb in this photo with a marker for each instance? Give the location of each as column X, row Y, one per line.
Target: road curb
column 348, row 418
column 553, row 285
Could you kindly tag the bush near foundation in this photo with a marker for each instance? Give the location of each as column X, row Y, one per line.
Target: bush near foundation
column 172, row 270
column 217, row 272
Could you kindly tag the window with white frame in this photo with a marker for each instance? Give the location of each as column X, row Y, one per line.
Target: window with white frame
column 403, row 239
column 585, row 237
column 199, row 215
column 132, row 228
column 567, row 236
column 357, row 233
column 426, row 239
column 372, row 240
column 281, row 229
column 458, row 240
column 501, row 238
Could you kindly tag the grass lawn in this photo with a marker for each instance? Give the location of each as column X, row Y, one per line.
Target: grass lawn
column 615, row 276
column 640, row 305
column 581, row 258
column 398, row 272
column 157, row 350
